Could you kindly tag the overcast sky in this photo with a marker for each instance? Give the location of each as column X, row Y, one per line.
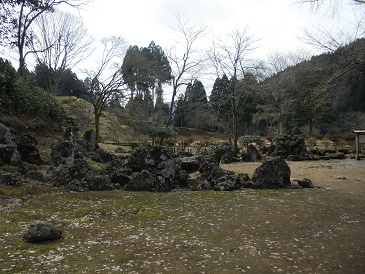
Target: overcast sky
column 277, row 23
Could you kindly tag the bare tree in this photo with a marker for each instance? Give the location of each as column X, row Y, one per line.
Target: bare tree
column 329, row 39
column 22, row 15
column 229, row 56
column 278, row 93
column 60, row 41
column 184, row 59
column 106, row 81
column 334, row 4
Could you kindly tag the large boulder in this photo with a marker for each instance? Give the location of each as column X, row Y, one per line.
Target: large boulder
column 114, row 165
column 80, row 170
column 27, row 147
column 119, row 178
column 273, row 173
column 251, row 155
column 216, row 178
column 62, row 153
column 100, row 183
column 76, row 177
column 160, row 162
column 15, row 147
column 88, row 142
column 192, row 163
column 102, row 156
column 231, row 182
column 229, row 157
column 211, row 170
column 145, row 181
column 148, row 158
column 41, row 231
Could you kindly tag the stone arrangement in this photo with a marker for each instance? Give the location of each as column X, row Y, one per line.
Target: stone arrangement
column 149, row 168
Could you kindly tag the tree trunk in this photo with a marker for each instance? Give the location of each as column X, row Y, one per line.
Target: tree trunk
column 97, row 120
column 21, row 68
column 169, row 119
column 310, row 127
column 281, row 125
column 234, row 125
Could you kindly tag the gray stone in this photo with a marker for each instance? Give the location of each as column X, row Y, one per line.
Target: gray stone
column 273, row 173
column 306, row 183
column 144, row 181
column 230, row 182
column 99, row 183
column 11, row 179
column 41, row 231
column 193, row 163
column 15, row 147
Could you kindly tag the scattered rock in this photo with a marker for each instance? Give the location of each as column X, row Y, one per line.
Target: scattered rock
column 11, row 179
column 41, row 231
column 35, row 175
column 305, row 183
column 336, row 155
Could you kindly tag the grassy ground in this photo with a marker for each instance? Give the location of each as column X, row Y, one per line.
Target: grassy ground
column 317, row 230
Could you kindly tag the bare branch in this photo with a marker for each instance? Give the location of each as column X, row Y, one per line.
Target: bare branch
column 185, row 61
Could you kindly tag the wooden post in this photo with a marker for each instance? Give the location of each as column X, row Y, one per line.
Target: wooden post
column 360, row 139
column 357, row 156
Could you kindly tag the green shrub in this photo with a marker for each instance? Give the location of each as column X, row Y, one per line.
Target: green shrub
column 219, row 150
column 155, row 132
column 288, row 144
column 20, row 97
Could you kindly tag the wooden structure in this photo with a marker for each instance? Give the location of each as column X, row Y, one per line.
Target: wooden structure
column 360, row 139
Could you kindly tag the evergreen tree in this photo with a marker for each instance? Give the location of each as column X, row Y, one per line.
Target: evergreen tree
column 180, row 110
column 220, row 101
column 145, row 70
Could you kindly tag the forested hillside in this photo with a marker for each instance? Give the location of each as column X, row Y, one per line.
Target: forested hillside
column 322, row 95
column 326, row 94
column 158, row 88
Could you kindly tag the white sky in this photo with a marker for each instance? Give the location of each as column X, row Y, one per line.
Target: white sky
column 276, row 23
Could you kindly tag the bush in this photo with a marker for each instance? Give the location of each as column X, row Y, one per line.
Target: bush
column 288, row 144
column 246, row 140
column 18, row 96
column 219, row 150
column 154, row 131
